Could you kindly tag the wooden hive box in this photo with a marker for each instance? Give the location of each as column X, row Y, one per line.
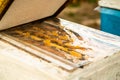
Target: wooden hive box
column 109, row 12
column 21, row 58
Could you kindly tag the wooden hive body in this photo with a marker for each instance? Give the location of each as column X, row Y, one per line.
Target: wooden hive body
column 21, row 60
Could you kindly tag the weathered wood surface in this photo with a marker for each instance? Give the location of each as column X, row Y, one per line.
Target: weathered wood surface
column 106, row 69
column 12, row 69
column 19, row 64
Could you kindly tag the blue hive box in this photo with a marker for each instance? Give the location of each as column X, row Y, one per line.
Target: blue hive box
column 110, row 20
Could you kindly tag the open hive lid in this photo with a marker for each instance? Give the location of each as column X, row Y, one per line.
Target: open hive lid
column 110, row 3
column 16, row 12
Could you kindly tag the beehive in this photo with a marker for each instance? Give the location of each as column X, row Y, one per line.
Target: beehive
column 57, row 49
column 110, row 11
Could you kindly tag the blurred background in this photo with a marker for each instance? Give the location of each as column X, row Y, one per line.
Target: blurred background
column 83, row 12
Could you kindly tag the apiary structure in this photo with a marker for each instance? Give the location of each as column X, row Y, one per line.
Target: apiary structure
column 21, row 58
